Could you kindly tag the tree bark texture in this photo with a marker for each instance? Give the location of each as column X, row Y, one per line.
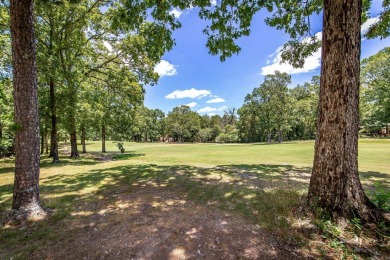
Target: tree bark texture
column 73, row 145
column 53, row 133
column 335, row 186
column 26, row 186
column 103, row 138
column 83, row 139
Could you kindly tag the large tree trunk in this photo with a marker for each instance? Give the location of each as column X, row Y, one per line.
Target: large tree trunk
column 26, row 202
column 335, row 186
column 83, row 139
column 103, row 138
column 53, row 133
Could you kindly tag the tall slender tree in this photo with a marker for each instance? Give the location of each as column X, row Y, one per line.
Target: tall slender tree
column 26, row 201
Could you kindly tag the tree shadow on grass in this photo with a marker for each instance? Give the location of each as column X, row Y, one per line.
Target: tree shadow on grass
column 224, row 188
column 152, row 211
column 7, row 170
column 125, row 156
column 371, row 177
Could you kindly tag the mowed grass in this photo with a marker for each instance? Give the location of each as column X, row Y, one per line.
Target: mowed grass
column 374, row 154
column 265, row 183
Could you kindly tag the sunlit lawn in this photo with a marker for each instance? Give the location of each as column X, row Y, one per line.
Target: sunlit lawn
column 374, row 154
column 258, row 181
column 374, row 160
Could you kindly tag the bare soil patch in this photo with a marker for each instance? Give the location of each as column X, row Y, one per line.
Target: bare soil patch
column 158, row 223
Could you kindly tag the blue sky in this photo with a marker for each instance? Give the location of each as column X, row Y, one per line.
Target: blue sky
column 191, row 76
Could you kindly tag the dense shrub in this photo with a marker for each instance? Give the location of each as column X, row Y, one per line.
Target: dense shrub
column 7, row 144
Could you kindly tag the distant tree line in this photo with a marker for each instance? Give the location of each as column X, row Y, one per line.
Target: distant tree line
column 272, row 112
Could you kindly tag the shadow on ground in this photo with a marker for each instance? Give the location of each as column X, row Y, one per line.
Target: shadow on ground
column 167, row 212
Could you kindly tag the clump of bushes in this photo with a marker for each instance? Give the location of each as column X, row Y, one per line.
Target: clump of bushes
column 120, row 146
column 229, row 136
column 7, row 146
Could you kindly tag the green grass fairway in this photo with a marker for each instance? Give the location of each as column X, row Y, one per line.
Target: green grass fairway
column 374, row 154
column 374, row 160
column 263, row 183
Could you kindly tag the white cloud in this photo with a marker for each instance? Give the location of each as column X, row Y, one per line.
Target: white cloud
column 211, row 110
column 213, row 2
column 164, row 68
column 368, row 23
column 108, row 46
column 211, row 114
column 207, row 110
column 175, row 12
column 311, row 63
column 192, row 104
column 216, row 100
column 189, row 93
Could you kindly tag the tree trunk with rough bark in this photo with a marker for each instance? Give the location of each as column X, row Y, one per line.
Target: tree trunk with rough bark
column 83, row 139
column 103, row 138
column 53, row 133
column 73, row 145
column 26, row 203
column 335, row 186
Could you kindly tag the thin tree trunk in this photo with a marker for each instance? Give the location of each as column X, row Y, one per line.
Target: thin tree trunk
column 42, row 144
column 73, row 145
column 268, row 136
column 335, row 186
column 280, row 136
column 73, row 135
column 83, row 139
column 26, row 201
column 103, row 138
column 53, row 133
column 46, row 143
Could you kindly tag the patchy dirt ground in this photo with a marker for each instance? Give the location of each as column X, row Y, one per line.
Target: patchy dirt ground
column 158, row 223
